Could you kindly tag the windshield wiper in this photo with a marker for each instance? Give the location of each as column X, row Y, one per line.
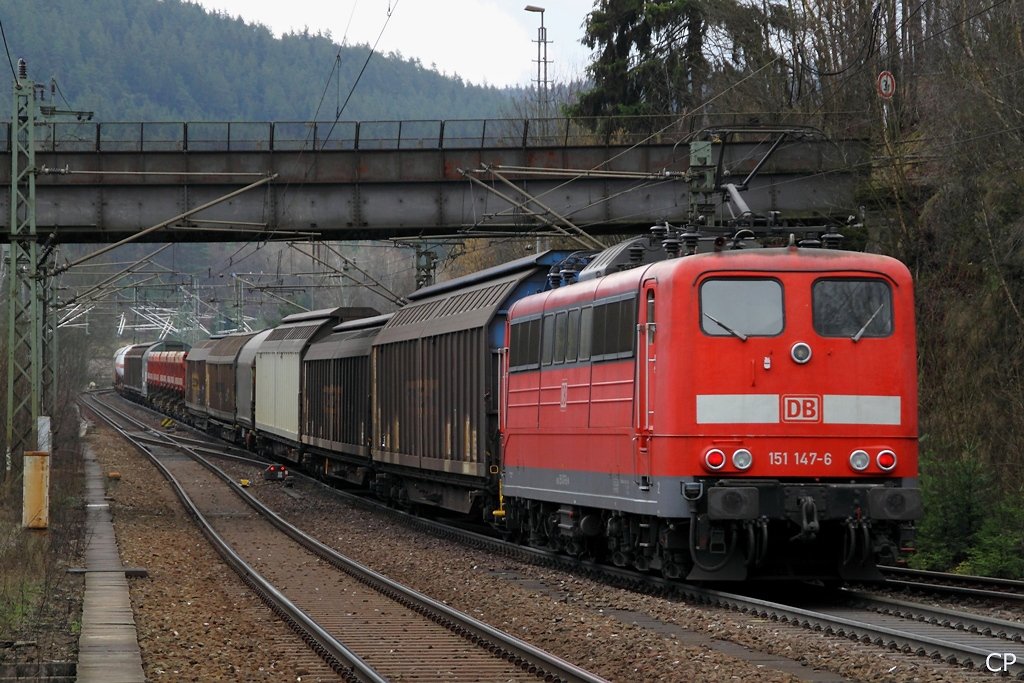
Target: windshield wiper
column 738, row 335
column 862, row 330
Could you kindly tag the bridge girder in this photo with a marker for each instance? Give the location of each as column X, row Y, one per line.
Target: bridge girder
column 342, row 194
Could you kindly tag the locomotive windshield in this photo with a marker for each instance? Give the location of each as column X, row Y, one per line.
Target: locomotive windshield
column 741, row 307
column 852, row 308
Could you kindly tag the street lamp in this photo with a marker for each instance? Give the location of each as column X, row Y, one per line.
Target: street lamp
column 542, row 63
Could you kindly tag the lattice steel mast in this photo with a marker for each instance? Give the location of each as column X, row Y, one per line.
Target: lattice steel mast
column 32, row 320
column 24, row 307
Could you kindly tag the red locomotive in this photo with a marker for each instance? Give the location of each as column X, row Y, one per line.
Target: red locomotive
column 737, row 414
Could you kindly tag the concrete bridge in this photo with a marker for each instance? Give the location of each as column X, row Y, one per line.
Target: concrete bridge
column 103, row 182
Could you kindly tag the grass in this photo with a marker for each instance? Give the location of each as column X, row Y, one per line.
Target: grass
column 40, row 602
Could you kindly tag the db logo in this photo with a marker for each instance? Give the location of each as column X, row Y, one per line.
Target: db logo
column 801, row 409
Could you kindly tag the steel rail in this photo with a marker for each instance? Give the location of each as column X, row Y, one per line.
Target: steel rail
column 956, row 584
column 946, row 649
column 924, row 573
column 975, row 623
column 504, row 645
column 201, row 447
column 966, row 591
column 531, row 658
column 336, row 654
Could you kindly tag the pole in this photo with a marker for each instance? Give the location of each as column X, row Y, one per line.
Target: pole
column 24, row 319
column 543, row 101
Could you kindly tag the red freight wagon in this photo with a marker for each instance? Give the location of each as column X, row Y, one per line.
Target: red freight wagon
column 165, row 380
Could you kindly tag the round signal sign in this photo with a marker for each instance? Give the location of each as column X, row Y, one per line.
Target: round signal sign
column 886, row 85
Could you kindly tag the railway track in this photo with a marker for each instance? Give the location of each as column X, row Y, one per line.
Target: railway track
column 983, row 587
column 365, row 626
column 973, row 641
column 958, row 637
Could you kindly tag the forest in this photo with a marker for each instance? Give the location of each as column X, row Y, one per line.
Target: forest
column 172, row 60
column 943, row 192
column 943, row 195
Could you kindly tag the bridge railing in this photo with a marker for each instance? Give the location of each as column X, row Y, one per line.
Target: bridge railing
column 291, row 136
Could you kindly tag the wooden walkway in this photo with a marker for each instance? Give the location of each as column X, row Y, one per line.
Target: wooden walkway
column 108, row 649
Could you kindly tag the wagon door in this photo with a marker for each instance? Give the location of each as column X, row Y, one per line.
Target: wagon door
column 646, row 364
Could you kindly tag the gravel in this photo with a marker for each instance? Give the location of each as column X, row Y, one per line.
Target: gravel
column 197, row 622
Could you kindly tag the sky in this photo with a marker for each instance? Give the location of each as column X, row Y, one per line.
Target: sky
column 491, row 42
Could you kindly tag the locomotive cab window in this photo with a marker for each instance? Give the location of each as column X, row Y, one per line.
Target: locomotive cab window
column 572, row 348
column 524, row 352
column 547, row 339
column 613, row 333
column 586, row 330
column 561, row 334
column 736, row 307
column 852, row 308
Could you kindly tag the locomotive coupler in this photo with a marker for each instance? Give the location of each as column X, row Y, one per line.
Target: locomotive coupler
column 809, row 524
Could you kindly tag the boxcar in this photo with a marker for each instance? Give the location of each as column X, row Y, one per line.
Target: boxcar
column 221, row 372
column 135, row 365
column 435, row 387
column 245, row 387
column 336, row 401
column 278, row 372
column 165, row 380
column 197, row 399
column 119, row 366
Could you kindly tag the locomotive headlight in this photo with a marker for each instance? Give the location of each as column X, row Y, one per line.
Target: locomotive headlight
column 714, row 459
column 742, row 459
column 801, row 352
column 859, row 460
column 886, row 460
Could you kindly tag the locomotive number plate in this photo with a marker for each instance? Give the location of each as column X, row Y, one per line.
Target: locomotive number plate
column 799, row 458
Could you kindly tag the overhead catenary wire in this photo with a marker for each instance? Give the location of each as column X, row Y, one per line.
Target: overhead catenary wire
column 14, row 72
column 337, row 117
column 654, row 134
column 163, row 224
column 569, row 213
column 339, row 109
column 386, row 292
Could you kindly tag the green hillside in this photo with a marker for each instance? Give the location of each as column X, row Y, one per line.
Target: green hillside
column 169, row 60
